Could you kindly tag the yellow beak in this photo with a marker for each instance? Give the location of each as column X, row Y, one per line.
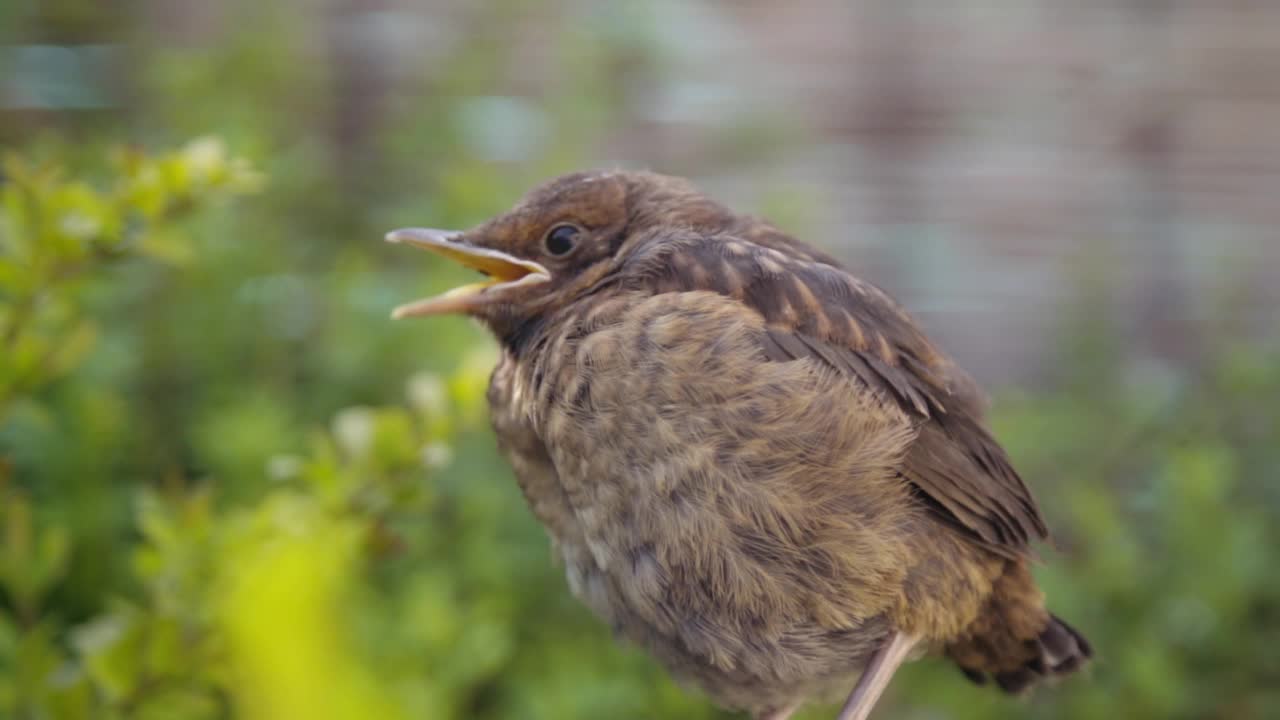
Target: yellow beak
column 504, row 271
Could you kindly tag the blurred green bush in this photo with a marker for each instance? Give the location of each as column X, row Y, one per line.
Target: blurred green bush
column 230, row 487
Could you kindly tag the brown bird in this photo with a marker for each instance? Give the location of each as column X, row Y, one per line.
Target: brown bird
column 753, row 464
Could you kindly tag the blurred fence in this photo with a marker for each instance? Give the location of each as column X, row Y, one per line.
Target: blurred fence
column 976, row 158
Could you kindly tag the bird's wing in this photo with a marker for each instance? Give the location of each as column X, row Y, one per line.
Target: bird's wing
column 819, row 310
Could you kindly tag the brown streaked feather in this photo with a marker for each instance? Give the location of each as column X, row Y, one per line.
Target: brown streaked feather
column 815, row 309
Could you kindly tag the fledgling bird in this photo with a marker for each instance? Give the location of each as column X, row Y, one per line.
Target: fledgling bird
column 753, row 463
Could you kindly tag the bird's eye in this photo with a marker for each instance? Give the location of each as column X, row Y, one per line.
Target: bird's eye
column 562, row 239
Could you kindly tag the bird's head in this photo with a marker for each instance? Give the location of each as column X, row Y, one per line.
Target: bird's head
column 557, row 244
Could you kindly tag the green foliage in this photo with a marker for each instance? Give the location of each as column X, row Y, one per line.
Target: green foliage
column 55, row 232
column 58, row 235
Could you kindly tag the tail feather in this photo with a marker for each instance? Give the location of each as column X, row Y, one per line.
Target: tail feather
column 1058, row 651
column 1062, row 647
column 1015, row 642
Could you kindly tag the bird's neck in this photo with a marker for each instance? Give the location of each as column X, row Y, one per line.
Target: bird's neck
column 519, row 336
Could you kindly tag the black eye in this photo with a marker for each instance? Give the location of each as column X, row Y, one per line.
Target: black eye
column 562, row 239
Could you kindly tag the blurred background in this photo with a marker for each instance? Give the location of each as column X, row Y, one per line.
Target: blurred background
column 230, row 487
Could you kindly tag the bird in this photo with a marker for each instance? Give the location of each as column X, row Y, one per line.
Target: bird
column 752, row 463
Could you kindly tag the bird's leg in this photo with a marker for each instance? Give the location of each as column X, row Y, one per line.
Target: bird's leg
column 875, row 678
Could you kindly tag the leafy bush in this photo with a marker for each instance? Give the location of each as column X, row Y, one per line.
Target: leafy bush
column 57, row 233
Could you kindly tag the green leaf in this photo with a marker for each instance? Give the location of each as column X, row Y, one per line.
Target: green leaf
column 111, row 649
column 167, row 246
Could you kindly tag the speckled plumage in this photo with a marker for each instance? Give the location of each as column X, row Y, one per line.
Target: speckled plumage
column 752, row 463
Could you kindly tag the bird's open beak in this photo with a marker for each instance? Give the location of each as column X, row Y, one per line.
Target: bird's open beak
column 504, row 271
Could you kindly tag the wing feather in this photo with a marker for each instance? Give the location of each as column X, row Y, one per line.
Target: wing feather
column 819, row 310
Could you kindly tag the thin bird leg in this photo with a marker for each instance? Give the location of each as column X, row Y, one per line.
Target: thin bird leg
column 875, row 678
